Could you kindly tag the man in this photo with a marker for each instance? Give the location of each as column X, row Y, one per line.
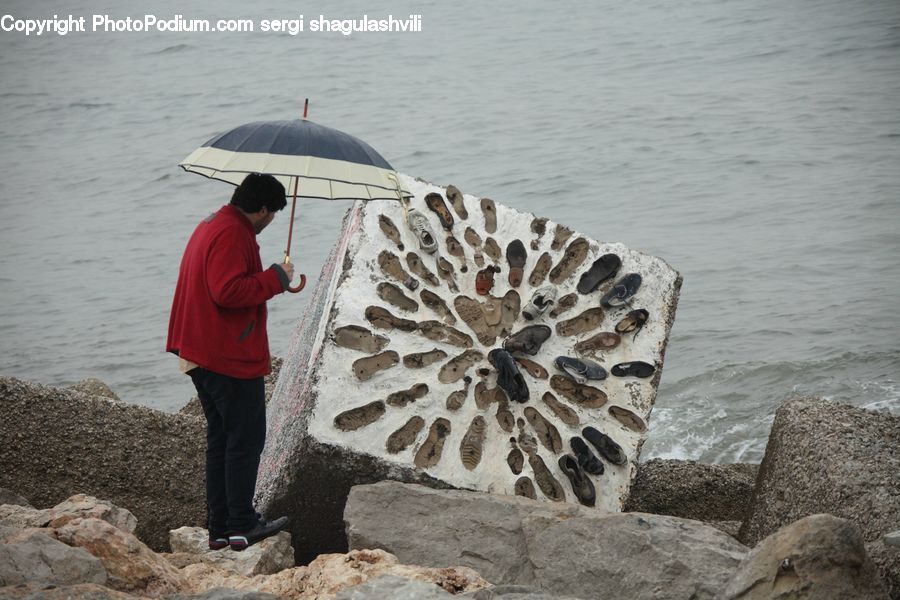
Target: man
column 218, row 330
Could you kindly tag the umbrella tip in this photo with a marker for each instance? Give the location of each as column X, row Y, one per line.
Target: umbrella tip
column 305, row 108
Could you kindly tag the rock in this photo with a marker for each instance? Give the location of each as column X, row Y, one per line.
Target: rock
column 825, row 457
column 269, row 556
column 81, row 506
column 562, row 548
column 891, row 539
column 321, row 440
column 396, row 588
column 81, row 591
column 40, row 559
column 692, row 490
column 817, row 558
column 227, row 594
column 194, row 409
column 730, row 527
column 20, row 517
column 94, row 387
column 149, row 461
column 10, row 497
column 329, row 574
column 131, row 566
column 514, row 592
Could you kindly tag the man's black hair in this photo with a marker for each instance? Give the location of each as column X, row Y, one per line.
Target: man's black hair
column 258, row 190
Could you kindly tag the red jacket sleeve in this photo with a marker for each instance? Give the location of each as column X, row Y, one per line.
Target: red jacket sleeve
column 229, row 277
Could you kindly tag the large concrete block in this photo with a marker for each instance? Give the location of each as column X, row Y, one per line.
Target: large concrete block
column 825, row 457
column 388, row 375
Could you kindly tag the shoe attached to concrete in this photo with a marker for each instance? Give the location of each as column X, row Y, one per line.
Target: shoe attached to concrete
column 436, row 203
column 418, row 224
column 605, row 445
column 263, row 529
column 580, row 370
column 624, row 289
column 635, row 368
column 541, row 301
column 603, row 268
column 515, row 256
column 508, row 375
column 590, row 463
column 581, row 483
column 528, row 339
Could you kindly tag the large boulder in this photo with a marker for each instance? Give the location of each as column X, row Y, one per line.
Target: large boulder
column 693, row 490
column 40, row 559
column 817, row 558
column 271, row 555
column 561, row 548
column 131, row 566
column 825, row 457
column 81, row 506
column 66, row 442
column 389, row 376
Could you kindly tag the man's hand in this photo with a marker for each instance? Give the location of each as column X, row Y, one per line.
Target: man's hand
column 288, row 269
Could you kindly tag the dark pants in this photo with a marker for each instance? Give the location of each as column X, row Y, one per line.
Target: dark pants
column 235, row 412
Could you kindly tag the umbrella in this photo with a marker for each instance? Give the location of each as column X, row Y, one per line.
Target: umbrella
column 311, row 160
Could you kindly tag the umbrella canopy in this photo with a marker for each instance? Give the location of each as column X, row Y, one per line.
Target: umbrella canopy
column 320, row 161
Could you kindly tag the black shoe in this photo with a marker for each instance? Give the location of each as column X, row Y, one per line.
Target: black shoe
column 263, row 529
column 528, row 339
column 624, row 289
column 586, row 458
column 580, row 370
column 508, row 376
column 635, row 368
column 605, row 445
column 581, row 483
column 603, row 268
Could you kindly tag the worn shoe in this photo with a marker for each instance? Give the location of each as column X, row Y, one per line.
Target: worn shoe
column 436, row 203
column 586, row 458
column 633, row 321
column 508, row 376
column 635, row 368
column 484, row 280
column 605, row 445
column 263, row 529
column 624, row 289
column 418, row 224
column 603, row 268
column 515, row 256
column 580, row 370
column 581, row 483
column 528, row 339
column 542, row 299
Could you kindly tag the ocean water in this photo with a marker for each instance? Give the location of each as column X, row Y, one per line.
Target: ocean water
column 755, row 145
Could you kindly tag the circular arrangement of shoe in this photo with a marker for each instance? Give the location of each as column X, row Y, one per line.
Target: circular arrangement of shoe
column 484, row 386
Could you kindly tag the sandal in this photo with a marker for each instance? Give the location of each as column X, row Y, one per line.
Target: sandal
column 435, row 202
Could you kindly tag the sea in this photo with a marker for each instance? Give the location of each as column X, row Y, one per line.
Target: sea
column 752, row 144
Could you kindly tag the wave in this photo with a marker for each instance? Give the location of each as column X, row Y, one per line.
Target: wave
column 724, row 413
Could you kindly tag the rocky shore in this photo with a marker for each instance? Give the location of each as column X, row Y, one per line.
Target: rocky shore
column 812, row 521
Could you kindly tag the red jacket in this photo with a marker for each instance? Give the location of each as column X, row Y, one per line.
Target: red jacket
column 218, row 318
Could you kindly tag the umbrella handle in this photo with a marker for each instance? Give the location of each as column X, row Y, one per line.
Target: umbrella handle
column 295, row 288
